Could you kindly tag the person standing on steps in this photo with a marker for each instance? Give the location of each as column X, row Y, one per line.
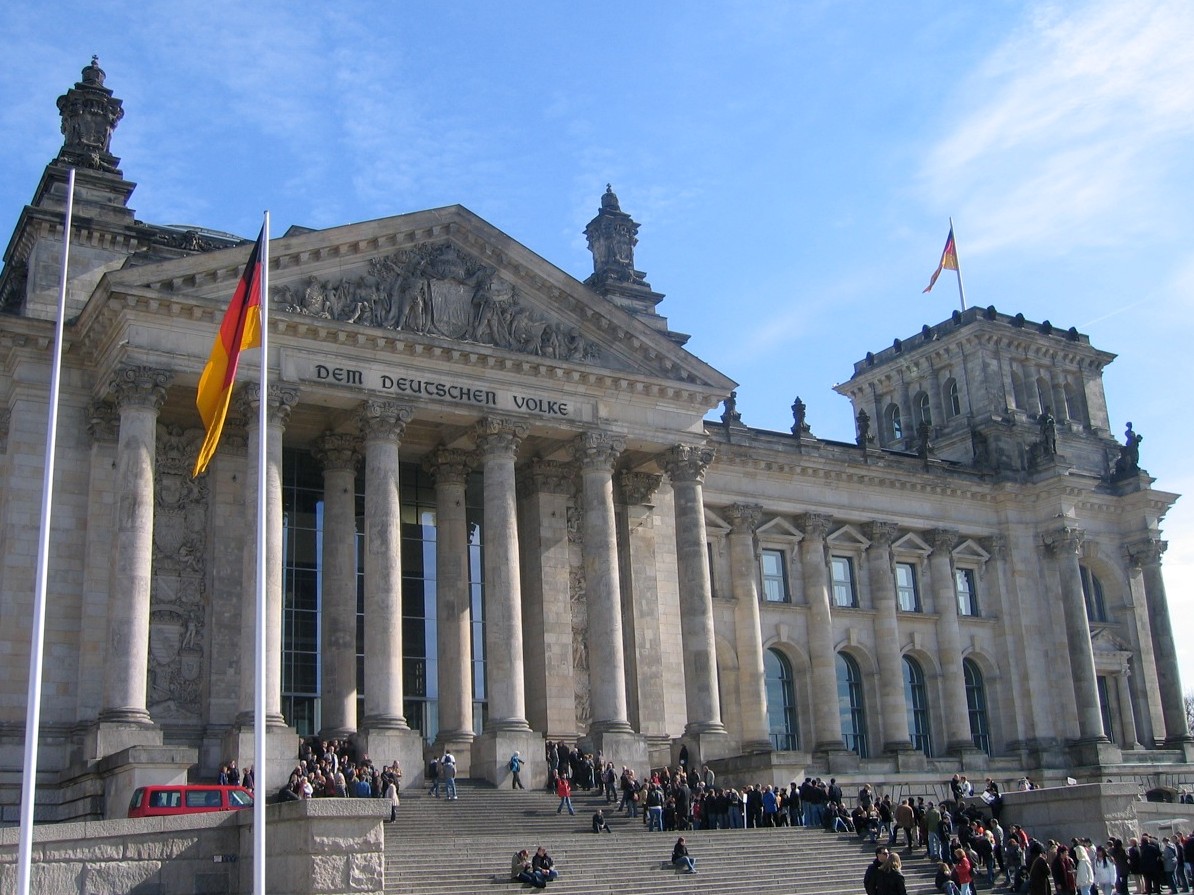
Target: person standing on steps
column 392, row 795
column 516, row 770
column 433, row 776
column 564, row 791
column 447, row 767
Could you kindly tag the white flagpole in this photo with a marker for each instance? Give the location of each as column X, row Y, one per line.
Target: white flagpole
column 961, row 288
column 33, row 708
column 259, row 768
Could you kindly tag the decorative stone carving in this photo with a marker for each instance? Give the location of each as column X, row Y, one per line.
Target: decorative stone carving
column 282, row 400
column 814, row 525
column 942, row 539
column 335, row 450
column 744, row 517
column 687, row 462
column 800, row 428
column 13, row 285
column 597, row 450
column 192, row 241
column 140, row 386
column 5, row 420
column 446, row 465
column 437, row 290
column 103, row 422
column 178, row 593
column 1147, row 552
column 612, row 236
column 1065, row 540
column 497, row 435
column 384, row 420
column 637, row 488
column 580, row 645
column 89, row 115
column 880, row 534
column 575, row 529
column 541, row 476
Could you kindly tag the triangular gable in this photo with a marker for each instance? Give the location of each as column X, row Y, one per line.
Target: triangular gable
column 969, row 549
column 443, row 276
column 714, row 524
column 848, row 536
column 778, row 527
column 912, row 543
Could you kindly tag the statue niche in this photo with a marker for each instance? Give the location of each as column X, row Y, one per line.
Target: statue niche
column 435, row 290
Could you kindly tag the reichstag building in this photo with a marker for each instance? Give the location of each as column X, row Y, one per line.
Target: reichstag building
column 498, row 515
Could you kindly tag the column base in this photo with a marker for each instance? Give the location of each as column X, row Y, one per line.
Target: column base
column 756, row 747
column 623, row 748
column 1094, row 752
column 108, row 737
column 281, row 754
column 460, row 744
column 838, row 760
column 969, row 756
column 907, row 760
column 704, row 745
column 385, row 745
column 491, row 751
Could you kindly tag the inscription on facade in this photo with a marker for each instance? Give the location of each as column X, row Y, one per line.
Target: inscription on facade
column 298, row 368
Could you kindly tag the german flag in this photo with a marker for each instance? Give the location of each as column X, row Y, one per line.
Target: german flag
column 239, row 331
column 949, row 259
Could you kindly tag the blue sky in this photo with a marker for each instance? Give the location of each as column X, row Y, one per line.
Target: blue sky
column 793, row 165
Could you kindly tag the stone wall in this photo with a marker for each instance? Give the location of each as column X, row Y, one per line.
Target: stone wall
column 1097, row 810
column 320, row 847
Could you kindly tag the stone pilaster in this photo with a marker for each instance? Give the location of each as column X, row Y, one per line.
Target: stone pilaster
column 339, row 454
column 949, row 641
column 705, row 734
column 827, row 719
column 893, row 707
column 138, row 393
column 744, row 576
column 1066, row 546
column 1127, row 717
column 454, row 639
column 1146, row 555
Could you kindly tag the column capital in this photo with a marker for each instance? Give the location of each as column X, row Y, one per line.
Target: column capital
column 140, row 386
column 942, row 540
column 597, row 451
column 448, row 466
column 880, row 534
column 815, row 526
column 384, row 420
column 687, row 462
column 499, row 436
column 539, row 476
column 1065, row 541
column 336, row 450
column 744, row 517
column 637, row 488
column 1146, row 552
column 996, row 545
column 103, row 422
column 281, row 400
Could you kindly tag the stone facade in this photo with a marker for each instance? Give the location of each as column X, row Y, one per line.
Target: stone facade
column 974, row 583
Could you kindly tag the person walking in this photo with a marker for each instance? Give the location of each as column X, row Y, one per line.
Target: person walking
column 392, row 795
column 516, row 770
column 447, row 767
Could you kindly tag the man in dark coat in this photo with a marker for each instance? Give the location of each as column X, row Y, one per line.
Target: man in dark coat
column 868, row 879
column 1152, row 868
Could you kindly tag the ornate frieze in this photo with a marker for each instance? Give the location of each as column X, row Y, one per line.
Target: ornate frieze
column 103, row 422
column 178, row 593
column 437, row 290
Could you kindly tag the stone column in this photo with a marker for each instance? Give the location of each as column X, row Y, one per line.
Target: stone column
column 382, row 425
column 596, row 453
column 339, row 455
column 507, row 728
column 744, row 577
column 705, row 735
column 1127, row 717
column 1066, row 546
column 949, row 642
column 139, row 393
column 453, row 599
column 827, row 718
column 893, row 708
column 280, row 402
column 1146, row 555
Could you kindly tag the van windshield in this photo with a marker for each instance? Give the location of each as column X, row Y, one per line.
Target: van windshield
column 236, row 797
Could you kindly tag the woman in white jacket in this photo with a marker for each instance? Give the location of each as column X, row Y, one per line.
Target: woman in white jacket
column 1083, row 872
column 1105, row 873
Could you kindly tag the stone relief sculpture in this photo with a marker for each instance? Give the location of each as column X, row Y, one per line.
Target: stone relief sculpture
column 178, row 597
column 436, row 290
column 580, row 651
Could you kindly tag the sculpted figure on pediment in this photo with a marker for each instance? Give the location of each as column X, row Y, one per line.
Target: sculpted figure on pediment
column 435, row 290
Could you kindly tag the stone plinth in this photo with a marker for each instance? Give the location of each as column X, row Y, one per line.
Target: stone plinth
column 384, row 745
column 704, row 747
column 623, row 749
column 1097, row 810
column 1094, row 753
column 137, row 766
column 281, row 754
column 491, row 751
column 112, row 737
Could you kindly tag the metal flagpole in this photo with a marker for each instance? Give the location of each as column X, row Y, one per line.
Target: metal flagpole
column 961, row 288
column 33, row 708
column 259, row 768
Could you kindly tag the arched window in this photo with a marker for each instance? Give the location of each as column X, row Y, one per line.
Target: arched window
column 1092, row 590
column 895, row 428
column 976, row 703
column 1019, row 392
column 849, row 698
column 953, row 400
column 917, row 700
column 924, row 413
column 781, row 702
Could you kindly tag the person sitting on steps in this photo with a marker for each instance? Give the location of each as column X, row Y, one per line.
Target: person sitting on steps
column 681, row 858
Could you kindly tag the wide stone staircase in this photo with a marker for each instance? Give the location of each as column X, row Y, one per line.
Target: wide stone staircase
column 441, row 847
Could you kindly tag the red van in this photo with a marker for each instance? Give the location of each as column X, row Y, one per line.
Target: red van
column 157, row 801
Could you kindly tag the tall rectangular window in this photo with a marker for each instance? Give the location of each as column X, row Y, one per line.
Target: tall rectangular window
column 907, row 595
column 967, row 591
column 775, row 576
column 842, row 573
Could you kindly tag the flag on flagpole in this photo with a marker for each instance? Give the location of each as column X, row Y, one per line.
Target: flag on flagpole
column 949, row 259
column 239, row 331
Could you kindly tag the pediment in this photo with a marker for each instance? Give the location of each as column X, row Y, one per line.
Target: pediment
column 848, row 537
column 778, row 527
column 912, row 543
column 970, row 550
column 444, row 277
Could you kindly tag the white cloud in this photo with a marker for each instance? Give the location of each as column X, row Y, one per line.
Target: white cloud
column 1069, row 131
